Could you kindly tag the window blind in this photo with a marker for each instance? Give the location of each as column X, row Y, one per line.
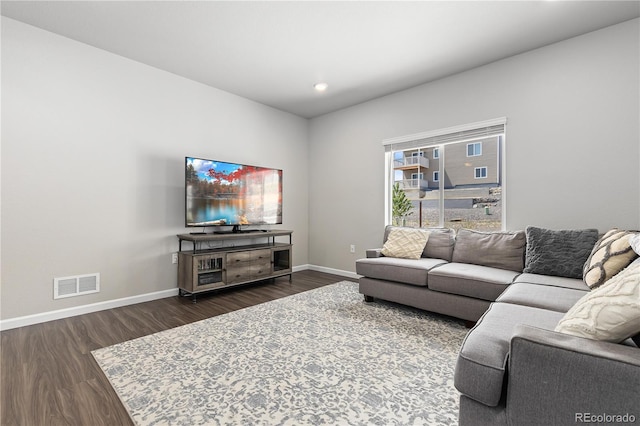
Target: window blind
column 443, row 136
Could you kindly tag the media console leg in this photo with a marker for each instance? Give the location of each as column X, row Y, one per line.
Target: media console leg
column 368, row 298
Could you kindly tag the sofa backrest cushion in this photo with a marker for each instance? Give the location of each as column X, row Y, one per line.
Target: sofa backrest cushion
column 561, row 253
column 504, row 250
column 440, row 243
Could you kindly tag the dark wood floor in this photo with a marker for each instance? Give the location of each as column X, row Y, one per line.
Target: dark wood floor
column 49, row 377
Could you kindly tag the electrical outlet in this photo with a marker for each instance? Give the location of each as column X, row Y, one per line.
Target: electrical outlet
column 174, row 257
column 352, row 249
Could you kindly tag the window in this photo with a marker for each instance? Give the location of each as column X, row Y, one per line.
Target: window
column 481, row 172
column 465, row 164
column 474, row 149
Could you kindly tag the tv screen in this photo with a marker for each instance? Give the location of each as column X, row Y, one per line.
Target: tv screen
column 219, row 193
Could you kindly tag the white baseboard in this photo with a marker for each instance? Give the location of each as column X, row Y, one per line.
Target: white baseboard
column 300, row 268
column 85, row 309
column 10, row 323
column 324, row 269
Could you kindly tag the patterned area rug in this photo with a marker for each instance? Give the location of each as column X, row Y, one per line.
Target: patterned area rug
column 322, row 357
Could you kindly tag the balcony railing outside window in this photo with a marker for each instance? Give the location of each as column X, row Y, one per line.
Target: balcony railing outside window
column 417, row 161
column 412, row 161
column 421, row 184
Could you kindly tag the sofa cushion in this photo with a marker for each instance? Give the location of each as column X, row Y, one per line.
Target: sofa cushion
column 560, row 253
column 440, row 243
column 504, row 250
column 610, row 312
column 405, row 243
column 477, row 281
column 550, row 280
column 558, row 299
column 611, row 254
column 408, row 271
column 480, row 368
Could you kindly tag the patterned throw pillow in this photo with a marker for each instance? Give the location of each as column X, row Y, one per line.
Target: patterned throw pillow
column 635, row 243
column 610, row 312
column 560, row 253
column 405, row 243
column 611, row 254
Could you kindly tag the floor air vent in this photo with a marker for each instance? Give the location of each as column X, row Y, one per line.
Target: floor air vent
column 76, row 285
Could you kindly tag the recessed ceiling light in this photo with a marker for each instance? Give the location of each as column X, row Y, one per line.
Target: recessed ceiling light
column 320, row 87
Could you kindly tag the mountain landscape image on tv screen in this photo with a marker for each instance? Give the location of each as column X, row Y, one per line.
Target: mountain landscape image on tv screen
column 220, row 193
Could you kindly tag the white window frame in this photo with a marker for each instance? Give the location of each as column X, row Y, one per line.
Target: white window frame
column 483, row 168
column 476, row 152
column 442, row 136
column 436, row 153
column 436, row 175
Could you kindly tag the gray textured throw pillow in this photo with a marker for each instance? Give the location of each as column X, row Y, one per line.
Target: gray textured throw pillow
column 560, row 253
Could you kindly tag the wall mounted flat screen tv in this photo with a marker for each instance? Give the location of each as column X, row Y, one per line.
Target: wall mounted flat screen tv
column 230, row 194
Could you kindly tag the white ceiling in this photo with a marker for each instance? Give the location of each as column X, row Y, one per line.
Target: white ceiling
column 274, row 51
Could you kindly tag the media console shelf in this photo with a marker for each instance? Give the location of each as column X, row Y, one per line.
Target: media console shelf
column 258, row 257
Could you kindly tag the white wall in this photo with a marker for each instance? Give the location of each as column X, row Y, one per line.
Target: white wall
column 93, row 149
column 572, row 145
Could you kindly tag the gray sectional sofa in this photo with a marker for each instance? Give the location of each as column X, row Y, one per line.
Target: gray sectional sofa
column 457, row 275
column 513, row 368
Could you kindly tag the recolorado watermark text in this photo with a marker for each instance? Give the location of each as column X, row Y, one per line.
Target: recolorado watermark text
column 604, row 418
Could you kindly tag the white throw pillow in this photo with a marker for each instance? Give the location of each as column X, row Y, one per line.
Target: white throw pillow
column 405, row 243
column 635, row 243
column 611, row 312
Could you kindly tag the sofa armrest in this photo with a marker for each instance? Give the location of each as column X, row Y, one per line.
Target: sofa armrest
column 559, row 379
column 371, row 253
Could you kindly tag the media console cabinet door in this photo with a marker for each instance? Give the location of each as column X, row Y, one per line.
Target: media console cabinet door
column 201, row 272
